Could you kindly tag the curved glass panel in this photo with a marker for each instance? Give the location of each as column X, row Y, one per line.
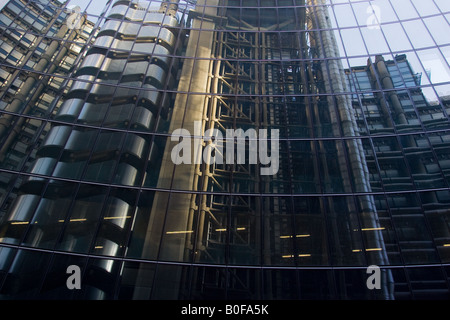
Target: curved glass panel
column 218, row 149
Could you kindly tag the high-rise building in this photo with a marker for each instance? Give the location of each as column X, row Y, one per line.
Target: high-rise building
column 38, row 55
column 231, row 149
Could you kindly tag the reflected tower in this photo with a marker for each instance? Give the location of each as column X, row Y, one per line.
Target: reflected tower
column 362, row 162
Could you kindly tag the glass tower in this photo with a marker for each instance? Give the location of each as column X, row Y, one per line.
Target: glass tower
column 227, row 149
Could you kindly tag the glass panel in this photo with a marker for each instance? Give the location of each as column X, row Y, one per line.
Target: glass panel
column 316, row 284
column 136, row 281
column 280, row 284
column 346, row 246
column 404, row 9
column 171, row 283
column 428, row 284
column 55, row 284
column 47, row 223
column 351, row 284
column 114, row 230
column 396, row 37
column 81, row 225
column 100, row 279
column 25, row 275
column 92, row 162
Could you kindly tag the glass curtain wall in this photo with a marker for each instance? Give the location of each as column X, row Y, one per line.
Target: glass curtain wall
column 354, row 96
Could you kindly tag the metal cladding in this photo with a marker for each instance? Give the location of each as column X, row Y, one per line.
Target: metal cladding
column 119, row 85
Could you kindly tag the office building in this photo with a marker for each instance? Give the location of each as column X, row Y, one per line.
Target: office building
column 358, row 119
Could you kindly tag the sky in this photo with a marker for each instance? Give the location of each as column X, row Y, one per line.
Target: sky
column 373, row 27
column 93, row 7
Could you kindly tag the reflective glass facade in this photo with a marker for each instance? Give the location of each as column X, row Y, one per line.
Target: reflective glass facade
column 354, row 96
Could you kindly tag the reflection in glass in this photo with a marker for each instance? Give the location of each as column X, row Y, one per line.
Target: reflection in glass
column 358, row 91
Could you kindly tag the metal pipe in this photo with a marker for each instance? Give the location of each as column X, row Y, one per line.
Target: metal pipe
column 17, row 127
column 169, row 7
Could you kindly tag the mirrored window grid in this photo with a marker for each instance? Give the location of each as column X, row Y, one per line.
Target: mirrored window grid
column 358, row 92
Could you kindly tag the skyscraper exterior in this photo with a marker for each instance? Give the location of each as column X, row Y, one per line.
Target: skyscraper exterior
column 38, row 55
column 233, row 149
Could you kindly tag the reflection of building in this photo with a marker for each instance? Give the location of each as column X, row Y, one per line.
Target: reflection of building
column 38, row 52
column 362, row 179
column 402, row 107
column 390, row 102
